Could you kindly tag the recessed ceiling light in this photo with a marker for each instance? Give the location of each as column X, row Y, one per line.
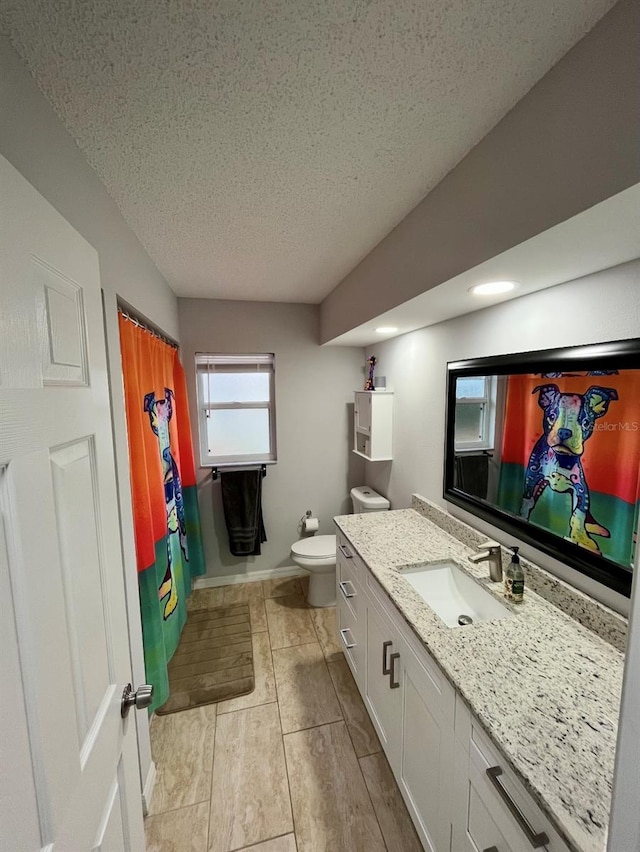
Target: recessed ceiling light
column 492, row 288
column 386, row 329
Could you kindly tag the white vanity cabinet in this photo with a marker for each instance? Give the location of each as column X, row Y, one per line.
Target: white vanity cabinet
column 372, row 425
column 437, row 750
column 412, row 707
column 492, row 810
column 410, row 702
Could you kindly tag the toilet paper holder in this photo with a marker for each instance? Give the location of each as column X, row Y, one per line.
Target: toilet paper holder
column 302, row 523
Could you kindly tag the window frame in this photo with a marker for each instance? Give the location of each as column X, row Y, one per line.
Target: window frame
column 486, row 439
column 209, row 363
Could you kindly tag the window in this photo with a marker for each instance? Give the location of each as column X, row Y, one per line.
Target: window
column 236, row 409
column 475, row 413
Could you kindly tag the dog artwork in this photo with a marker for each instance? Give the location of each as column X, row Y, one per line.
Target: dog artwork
column 160, row 412
column 556, row 460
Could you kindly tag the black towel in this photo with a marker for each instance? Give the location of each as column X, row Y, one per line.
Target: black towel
column 472, row 475
column 242, row 503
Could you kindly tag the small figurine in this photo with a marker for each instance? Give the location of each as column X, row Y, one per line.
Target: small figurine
column 371, row 361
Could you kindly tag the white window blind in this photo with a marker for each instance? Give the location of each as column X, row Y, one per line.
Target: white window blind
column 236, row 408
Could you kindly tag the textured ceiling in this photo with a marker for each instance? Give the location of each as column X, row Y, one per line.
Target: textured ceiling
column 260, row 150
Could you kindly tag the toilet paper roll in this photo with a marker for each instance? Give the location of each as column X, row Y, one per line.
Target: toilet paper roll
column 311, row 525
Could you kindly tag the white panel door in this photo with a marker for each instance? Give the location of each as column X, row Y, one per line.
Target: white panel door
column 73, row 783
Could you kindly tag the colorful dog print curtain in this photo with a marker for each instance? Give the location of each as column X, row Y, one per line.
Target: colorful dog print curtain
column 570, row 458
column 163, row 485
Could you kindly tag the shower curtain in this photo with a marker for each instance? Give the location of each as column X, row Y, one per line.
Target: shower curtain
column 163, row 485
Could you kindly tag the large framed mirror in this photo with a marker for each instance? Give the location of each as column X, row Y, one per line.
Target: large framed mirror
column 546, row 445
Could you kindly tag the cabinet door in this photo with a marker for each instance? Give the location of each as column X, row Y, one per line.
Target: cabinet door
column 363, row 413
column 474, row 829
column 426, row 754
column 512, row 809
column 383, row 699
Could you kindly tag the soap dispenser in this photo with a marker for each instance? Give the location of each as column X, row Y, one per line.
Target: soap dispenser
column 514, row 578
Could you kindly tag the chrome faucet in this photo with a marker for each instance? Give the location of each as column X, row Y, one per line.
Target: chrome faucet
column 490, row 552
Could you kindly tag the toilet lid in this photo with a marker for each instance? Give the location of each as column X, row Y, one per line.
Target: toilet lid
column 315, row 547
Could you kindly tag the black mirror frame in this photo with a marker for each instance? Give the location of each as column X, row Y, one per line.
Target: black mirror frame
column 616, row 355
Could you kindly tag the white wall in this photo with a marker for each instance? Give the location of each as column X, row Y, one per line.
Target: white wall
column 314, row 405
column 571, row 142
column 600, row 307
column 35, row 142
column 33, row 139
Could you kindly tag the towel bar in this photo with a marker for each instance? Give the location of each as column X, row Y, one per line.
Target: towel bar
column 214, row 470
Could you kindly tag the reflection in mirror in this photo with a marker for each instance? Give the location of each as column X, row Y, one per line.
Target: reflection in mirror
column 555, row 452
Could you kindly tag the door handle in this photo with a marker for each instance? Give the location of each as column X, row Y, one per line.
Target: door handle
column 343, row 588
column 344, row 638
column 393, row 683
column 536, row 840
column 385, row 665
column 139, row 699
column 345, row 551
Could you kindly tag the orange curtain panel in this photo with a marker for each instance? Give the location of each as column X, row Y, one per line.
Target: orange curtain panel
column 163, row 485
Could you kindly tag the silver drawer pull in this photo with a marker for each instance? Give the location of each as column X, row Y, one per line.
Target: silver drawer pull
column 393, row 683
column 343, row 589
column 536, row 840
column 343, row 633
column 345, row 551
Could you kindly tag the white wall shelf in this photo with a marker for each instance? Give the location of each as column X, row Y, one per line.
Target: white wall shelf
column 373, row 425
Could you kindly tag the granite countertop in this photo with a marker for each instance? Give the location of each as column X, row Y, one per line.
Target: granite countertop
column 545, row 689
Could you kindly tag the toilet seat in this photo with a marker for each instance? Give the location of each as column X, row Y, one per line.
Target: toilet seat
column 315, row 547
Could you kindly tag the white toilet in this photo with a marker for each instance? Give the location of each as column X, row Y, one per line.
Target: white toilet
column 317, row 554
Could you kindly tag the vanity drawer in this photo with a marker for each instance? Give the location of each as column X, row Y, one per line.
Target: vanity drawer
column 348, row 587
column 352, row 639
column 511, row 807
column 346, row 555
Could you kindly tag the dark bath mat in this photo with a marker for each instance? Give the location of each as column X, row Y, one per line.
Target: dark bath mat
column 214, row 660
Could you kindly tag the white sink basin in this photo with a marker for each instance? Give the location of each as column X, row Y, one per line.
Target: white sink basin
column 451, row 593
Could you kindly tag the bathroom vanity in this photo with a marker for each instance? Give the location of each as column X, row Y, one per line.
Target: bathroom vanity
column 501, row 733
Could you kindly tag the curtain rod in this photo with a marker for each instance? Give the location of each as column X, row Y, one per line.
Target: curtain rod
column 136, row 321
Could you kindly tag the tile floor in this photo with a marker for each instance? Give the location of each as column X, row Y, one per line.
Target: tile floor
column 293, row 767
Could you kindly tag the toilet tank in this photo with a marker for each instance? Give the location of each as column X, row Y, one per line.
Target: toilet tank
column 365, row 499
